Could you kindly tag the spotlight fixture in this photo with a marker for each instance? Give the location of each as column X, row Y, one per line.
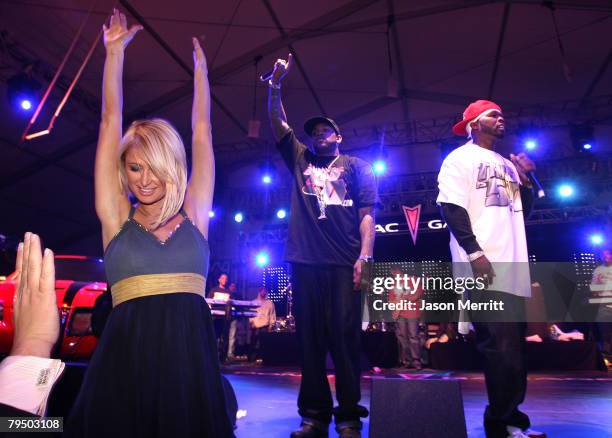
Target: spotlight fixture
column 262, row 259
column 267, row 170
column 379, row 167
column 281, row 213
column 22, row 91
column 566, row 191
column 239, row 217
column 530, row 144
column 597, row 239
column 582, row 137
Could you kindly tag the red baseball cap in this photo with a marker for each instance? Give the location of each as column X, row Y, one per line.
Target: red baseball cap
column 474, row 111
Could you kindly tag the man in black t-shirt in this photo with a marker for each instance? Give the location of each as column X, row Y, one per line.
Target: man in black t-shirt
column 221, row 286
column 331, row 236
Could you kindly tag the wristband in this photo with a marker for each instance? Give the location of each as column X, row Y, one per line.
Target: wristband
column 366, row 258
column 475, row 255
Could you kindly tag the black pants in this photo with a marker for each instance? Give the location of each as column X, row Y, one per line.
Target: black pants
column 328, row 318
column 501, row 338
column 255, row 347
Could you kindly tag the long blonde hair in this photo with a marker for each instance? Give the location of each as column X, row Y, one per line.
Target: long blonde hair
column 164, row 153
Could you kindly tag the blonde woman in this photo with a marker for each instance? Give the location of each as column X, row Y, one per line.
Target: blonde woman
column 155, row 372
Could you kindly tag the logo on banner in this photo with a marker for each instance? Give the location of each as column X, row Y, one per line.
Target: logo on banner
column 412, row 219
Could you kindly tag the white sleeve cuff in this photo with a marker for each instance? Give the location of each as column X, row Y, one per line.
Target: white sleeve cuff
column 26, row 382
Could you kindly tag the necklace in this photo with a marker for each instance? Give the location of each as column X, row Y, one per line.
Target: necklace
column 151, row 232
column 322, row 178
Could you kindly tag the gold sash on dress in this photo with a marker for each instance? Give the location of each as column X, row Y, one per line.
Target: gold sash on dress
column 157, row 284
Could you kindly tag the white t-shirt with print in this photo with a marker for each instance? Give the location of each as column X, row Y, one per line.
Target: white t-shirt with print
column 487, row 186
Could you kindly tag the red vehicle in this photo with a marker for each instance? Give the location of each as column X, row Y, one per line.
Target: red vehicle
column 79, row 282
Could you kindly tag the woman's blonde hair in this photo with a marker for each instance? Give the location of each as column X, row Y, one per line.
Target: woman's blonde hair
column 164, row 153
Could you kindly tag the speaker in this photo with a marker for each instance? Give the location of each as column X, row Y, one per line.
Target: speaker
column 416, row 408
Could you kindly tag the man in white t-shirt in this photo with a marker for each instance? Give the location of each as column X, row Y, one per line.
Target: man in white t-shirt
column 483, row 198
column 601, row 283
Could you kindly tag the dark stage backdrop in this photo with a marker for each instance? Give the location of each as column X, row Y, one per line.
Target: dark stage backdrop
column 545, row 242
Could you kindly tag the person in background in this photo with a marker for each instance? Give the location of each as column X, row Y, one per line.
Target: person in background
column 266, row 317
column 407, row 323
column 231, row 342
column 220, row 288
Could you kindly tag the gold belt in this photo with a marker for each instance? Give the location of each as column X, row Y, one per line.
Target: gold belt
column 157, row 284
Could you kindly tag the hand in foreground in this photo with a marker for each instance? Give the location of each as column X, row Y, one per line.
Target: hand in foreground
column 482, row 268
column 281, row 68
column 36, row 318
column 199, row 58
column 117, row 35
column 524, row 165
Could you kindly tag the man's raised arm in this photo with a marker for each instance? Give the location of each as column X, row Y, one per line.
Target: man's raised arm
column 276, row 112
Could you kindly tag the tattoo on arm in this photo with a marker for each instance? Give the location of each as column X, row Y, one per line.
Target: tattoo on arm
column 276, row 113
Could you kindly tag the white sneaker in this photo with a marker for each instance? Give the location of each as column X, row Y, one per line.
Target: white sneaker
column 516, row 432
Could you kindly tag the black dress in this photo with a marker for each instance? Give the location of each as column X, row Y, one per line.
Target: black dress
column 155, row 371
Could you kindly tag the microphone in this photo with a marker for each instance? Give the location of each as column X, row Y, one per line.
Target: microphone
column 265, row 77
column 533, row 178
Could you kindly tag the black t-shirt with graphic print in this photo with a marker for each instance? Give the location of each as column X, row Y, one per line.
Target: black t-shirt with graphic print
column 343, row 184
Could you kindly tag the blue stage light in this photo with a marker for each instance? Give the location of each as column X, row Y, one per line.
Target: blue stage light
column 266, row 179
column 22, row 91
column 211, row 213
column 26, row 104
column 379, row 167
column 238, row 217
column 566, row 190
column 262, row 259
column 281, row 213
column 531, row 144
column 587, row 146
column 597, row 239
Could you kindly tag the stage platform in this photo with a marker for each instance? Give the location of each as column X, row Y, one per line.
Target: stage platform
column 573, row 404
column 565, row 405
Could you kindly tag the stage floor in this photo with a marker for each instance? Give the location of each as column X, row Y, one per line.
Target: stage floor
column 568, row 405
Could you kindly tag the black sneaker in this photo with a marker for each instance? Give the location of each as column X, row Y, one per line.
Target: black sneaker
column 349, row 432
column 309, row 431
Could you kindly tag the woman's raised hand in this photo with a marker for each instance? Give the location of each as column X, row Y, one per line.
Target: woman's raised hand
column 116, row 34
column 199, row 58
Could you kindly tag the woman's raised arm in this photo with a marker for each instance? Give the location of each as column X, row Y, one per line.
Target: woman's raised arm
column 199, row 196
column 112, row 205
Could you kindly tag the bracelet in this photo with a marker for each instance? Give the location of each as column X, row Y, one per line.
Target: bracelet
column 273, row 85
column 475, row 255
column 366, row 258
